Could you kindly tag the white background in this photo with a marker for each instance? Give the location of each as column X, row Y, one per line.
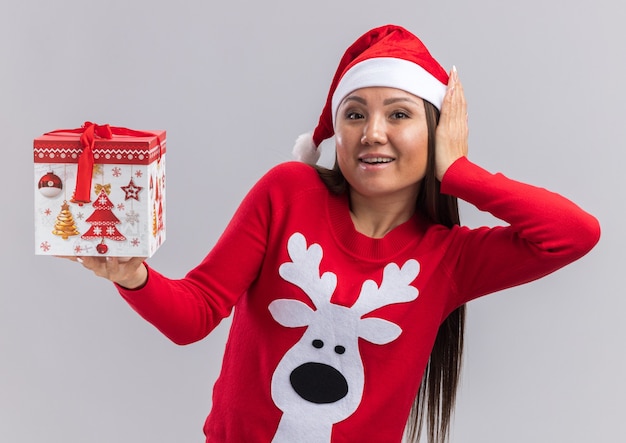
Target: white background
column 234, row 83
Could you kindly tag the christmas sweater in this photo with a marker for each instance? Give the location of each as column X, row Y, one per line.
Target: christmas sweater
column 331, row 329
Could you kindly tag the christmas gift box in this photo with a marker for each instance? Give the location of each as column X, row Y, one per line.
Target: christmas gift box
column 99, row 191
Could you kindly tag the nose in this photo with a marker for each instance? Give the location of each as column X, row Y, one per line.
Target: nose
column 319, row 383
column 374, row 131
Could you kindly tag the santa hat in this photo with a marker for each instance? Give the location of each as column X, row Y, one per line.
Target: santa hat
column 388, row 56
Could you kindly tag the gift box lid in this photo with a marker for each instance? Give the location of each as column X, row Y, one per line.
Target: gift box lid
column 65, row 147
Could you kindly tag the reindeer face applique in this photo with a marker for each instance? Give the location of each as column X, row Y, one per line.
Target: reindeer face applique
column 320, row 380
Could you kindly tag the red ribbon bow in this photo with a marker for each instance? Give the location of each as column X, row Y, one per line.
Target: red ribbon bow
column 88, row 133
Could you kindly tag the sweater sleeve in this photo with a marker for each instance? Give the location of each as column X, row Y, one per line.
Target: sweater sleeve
column 545, row 232
column 187, row 309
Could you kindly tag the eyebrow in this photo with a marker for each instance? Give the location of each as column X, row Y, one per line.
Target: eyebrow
column 354, row 98
column 390, row 101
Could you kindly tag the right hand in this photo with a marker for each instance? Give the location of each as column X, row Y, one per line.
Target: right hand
column 128, row 273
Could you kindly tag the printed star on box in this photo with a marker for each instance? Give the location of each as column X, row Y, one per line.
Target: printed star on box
column 132, row 190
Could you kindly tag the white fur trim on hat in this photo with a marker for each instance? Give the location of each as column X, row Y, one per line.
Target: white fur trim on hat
column 305, row 150
column 392, row 73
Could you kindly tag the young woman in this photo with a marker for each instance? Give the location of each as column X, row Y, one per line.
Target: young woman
column 348, row 285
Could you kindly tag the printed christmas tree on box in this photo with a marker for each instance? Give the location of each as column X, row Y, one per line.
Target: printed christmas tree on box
column 103, row 223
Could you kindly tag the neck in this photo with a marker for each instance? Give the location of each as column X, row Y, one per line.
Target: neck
column 375, row 217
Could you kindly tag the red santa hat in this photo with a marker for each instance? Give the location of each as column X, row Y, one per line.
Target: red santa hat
column 388, row 56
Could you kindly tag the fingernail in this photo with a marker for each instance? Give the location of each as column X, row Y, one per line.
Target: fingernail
column 79, row 260
column 453, row 68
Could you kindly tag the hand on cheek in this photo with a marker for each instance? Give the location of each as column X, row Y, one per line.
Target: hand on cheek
column 452, row 132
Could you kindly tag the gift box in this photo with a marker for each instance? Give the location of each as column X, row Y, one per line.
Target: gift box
column 99, row 191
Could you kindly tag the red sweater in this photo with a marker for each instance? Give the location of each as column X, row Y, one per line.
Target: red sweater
column 332, row 329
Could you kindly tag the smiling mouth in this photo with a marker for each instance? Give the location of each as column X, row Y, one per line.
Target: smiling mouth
column 376, row 160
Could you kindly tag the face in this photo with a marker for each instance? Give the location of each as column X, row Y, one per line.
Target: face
column 382, row 143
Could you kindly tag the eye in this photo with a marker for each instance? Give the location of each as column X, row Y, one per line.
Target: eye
column 340, row 349
column 353, row 115
column 318, row 344
column 399, row 115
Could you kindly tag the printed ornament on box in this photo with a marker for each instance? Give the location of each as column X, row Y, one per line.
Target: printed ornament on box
column 99, row 191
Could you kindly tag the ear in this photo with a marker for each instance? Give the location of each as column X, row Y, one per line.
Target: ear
column 378, row 331
column 291, row 313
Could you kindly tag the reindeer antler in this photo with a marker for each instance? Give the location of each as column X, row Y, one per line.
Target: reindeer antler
column 395, row 288
column 304, row 270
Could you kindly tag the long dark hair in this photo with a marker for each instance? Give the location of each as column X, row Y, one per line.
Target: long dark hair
column 436, row 397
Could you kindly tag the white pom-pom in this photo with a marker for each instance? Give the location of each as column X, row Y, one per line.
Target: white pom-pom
column 305, row 150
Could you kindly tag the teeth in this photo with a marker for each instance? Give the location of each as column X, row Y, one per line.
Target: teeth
column 376, row 160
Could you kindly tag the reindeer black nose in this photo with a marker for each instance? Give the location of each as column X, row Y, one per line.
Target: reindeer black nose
column 319, row 383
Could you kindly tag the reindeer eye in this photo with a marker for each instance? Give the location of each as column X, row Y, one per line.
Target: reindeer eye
column 318, row 344
column 340, row 349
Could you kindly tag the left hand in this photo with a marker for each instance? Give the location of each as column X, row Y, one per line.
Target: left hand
column 452, row 131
